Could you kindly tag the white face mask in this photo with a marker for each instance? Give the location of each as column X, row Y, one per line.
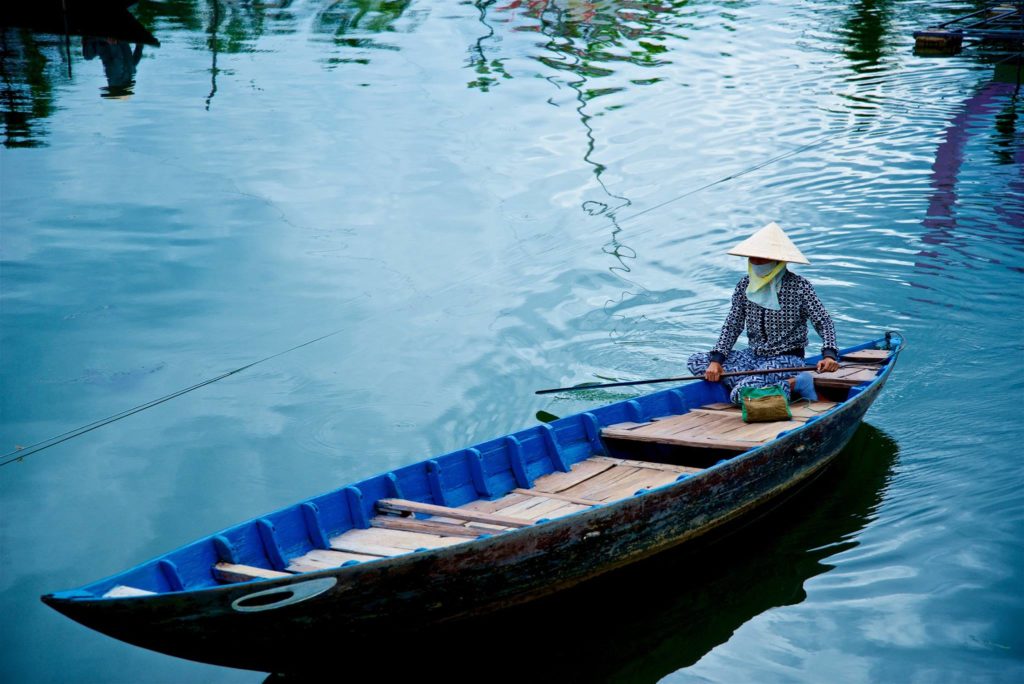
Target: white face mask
column 765, row 292
column 762, row 270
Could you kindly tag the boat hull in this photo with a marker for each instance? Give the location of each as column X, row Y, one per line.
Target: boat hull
column 276, row 625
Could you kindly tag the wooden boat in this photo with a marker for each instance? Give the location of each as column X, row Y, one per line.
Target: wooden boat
column 479, row 529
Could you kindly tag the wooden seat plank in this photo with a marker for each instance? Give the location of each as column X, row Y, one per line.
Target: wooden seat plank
column 667, row 426
column 557, row 482
column 487, row 529
column 763, row 432
column 605, row 479
column 721, row 427
column 867, row 355
column 688, row 423
column 402, row 539
column 234, row 572
column 717, row 412
column 540, row 508
column 648, row 464
column 805, row 410
column 642, row 479
column 555, row 495
column 628, row 427
column 485, row 506
column 403, row 505
column 733, row 428
column 323, row 559
column 848, row 380
column 366, row 549
column 720, row 406
column 565, row 509
column 801, row 410
column 523, row 508
column 732, row 423
column 593, row 488
column 674, row 424
column 704, row 423
column 434, row 526
column 689, row 441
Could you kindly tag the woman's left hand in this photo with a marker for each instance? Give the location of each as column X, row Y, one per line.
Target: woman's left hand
column 828, row 365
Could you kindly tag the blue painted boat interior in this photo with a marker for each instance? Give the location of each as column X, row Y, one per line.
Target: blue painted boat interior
column 485, row 471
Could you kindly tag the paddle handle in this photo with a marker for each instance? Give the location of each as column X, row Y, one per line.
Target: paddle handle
column 679, row 379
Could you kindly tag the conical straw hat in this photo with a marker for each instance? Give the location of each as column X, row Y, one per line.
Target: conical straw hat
column 770, row 243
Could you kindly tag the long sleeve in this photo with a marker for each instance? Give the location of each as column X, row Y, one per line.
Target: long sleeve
column 822, row 322
column 733, row 323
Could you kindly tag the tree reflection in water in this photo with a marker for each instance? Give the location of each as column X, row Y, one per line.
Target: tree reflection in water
column 29, row 67
column 34, row 60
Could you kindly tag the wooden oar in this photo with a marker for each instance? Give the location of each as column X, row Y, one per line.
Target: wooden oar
column 596, row 385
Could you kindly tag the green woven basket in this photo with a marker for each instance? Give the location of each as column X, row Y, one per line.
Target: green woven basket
column 764, row 404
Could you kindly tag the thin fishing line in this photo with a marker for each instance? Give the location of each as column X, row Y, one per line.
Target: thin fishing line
column 24, row 452
column 20, row 454
column 756, row 167
column 768, row 162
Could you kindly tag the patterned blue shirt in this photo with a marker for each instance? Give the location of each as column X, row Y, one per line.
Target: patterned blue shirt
column 772, row 333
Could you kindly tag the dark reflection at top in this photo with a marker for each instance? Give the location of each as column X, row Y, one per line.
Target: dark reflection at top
column 656, row 617
column 77, row 18
column 36, row 53
column 866, row 33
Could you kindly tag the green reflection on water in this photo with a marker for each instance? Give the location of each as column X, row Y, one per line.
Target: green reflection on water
column 27, row 91
column 353, row 25
column 866, row 30
column 34, row 65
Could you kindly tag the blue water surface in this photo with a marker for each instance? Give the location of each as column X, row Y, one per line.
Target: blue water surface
column 478, row 200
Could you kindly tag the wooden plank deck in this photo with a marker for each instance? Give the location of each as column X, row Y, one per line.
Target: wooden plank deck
column 718, row 426
column 869, row 355
column 847, row 376
column 557, row 482
column 403, row 506
column 441, row 529
column 591, row 482
column 232, row 572
column 394, row 531
column 322, row 559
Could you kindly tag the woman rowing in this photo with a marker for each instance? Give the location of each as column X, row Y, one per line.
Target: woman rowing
column 775, row 306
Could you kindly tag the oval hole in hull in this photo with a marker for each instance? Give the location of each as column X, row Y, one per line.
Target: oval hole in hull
column 280, row 597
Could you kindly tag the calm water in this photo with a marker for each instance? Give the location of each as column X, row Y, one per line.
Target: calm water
column 456, row 188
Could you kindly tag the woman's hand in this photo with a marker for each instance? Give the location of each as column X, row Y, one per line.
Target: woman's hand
column 714, row 372
column 828, row 365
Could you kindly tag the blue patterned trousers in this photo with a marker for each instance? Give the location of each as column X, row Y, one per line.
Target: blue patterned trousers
column 743, row 360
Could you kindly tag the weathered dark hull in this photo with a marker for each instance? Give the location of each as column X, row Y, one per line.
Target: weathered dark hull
column 419, row 589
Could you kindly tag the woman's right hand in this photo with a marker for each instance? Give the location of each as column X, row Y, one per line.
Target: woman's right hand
column 714, row 372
